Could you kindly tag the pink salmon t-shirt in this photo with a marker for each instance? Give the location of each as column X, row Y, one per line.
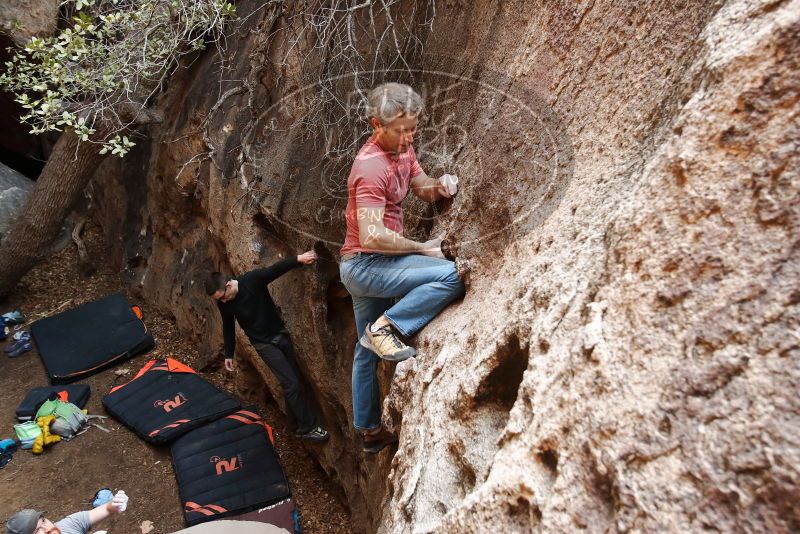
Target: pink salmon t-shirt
column 378, row 179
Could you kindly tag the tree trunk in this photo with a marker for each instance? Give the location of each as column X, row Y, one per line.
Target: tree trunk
column 68, row 170
column 85, row 264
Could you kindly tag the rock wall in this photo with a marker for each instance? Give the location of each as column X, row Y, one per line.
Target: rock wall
column 23, row 19
column 626, row 356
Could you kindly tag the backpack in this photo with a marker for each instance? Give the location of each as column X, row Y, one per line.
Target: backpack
column 69, row 418
column 77, row 394
column 27, row 433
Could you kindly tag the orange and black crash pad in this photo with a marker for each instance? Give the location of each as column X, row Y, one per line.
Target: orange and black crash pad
column 167, row 399
column 228, row 469
column 90, row 338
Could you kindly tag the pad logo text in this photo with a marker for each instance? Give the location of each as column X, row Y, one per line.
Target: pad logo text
column 223, row 465
column 171, row 404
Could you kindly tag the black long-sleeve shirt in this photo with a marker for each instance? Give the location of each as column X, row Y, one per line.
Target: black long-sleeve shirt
column 253, row 307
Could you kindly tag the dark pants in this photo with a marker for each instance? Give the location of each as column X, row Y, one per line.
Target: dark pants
column 280, row 358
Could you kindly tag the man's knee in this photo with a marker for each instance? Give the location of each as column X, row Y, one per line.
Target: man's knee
column 454, row 280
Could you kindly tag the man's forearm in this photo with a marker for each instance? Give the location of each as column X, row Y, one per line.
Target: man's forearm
column 100, row 513
column 387, row 241
column 428, row 189
column 228, row 335
column 229, row 347
column 276, row 270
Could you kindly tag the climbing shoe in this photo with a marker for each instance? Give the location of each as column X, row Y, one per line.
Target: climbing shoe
column 374, row 443
column 316, row 433
column 21, row 349
column 385, row 344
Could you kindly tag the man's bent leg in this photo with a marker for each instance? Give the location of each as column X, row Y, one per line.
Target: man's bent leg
column 289, row 378
column 422, row 304
column 426, row 286
column 366, row 393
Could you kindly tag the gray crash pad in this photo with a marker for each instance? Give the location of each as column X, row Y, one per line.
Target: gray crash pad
column 225, row 526
column 14, row 189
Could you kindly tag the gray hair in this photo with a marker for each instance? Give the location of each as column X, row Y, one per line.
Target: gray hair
column 390, row 100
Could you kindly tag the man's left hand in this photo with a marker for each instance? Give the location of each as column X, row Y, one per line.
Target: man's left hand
column 307, row 258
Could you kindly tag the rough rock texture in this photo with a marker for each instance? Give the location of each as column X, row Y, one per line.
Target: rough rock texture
column 23, row 19
column 626, row 356
column 19, row 21
column 655, row 312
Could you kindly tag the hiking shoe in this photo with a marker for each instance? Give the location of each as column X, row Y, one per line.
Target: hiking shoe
column 20, row 350
column 14, row 346
column 316, row 433
column 21, row 334
column 19, row 341
column 14, row 317
column 385, row 344
column 374, row 443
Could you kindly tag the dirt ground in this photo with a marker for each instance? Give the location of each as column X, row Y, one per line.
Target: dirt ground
column 64, row 479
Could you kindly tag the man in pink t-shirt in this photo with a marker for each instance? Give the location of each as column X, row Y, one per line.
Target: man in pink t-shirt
column 398, row 285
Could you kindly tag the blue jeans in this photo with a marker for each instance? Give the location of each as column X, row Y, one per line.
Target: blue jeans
column 410, row 291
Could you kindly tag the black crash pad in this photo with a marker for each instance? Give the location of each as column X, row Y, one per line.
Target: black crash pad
column 90, row 338
column 227, row 468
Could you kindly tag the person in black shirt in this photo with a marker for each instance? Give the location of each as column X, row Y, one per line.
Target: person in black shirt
column 247, row 300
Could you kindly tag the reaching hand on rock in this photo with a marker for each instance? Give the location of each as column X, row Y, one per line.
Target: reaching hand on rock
column 307, row 258
column 448, row 185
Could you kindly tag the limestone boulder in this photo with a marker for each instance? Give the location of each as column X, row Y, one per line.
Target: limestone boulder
column 626, row 356
column 14, row 189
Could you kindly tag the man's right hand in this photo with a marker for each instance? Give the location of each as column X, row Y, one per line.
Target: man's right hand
column 229, row 365
column 433, row 248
